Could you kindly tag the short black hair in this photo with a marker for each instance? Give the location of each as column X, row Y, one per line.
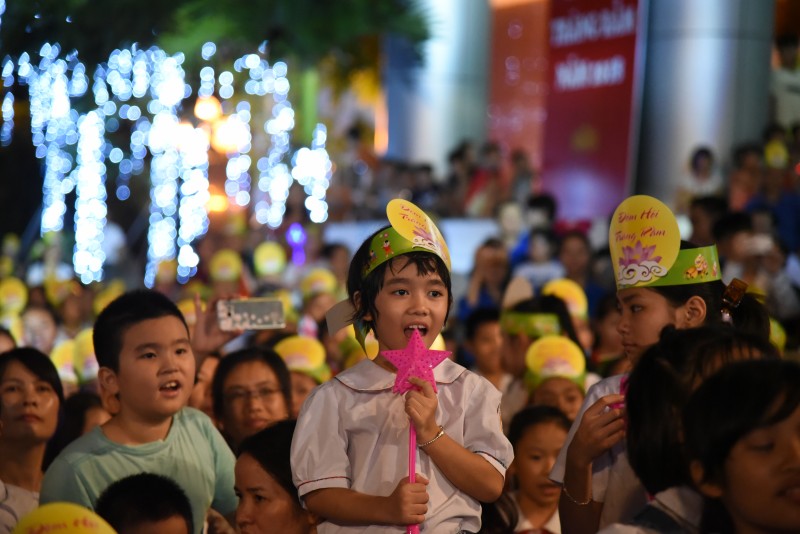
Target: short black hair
column 125, row 311
column 787, row 40
column 740, row 398
column 368, row 287
column 731, row 224
column 143, row 498
column 716, row 207
column 478, row 317
column 741, row 151
column 268, row 357
column 545, row 202
column 270, row 447
column 5, row 332
column 74, row 413
column 37, row 363
column 535, row 415
column 659, row 388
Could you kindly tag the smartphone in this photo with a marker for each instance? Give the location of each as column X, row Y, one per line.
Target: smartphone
column 250, row 314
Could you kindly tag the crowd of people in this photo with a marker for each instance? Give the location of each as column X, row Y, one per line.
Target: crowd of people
column 643, row 388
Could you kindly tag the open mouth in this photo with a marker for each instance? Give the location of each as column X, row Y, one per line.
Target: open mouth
column 409, row 330
column 172, row 386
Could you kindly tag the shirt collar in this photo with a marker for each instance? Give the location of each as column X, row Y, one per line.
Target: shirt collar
column 369, row 376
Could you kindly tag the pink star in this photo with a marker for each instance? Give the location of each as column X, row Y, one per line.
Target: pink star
column 415, row 360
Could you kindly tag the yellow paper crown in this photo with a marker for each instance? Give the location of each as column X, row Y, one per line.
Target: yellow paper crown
column 555, row 356
column 13, row 296
column 269, row 259
column 571, row 293
column 225, row 266
column 318, row 281
column 105, row 297
column 645, row 245
column 167, row 271
column 64, row 518
column 411, row 230
column 304, row 355
column 63, row 358
column 85, row 361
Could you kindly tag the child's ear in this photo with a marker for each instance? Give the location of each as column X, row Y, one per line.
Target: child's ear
column 108, row 380
column 707, row 488
column 694, row 312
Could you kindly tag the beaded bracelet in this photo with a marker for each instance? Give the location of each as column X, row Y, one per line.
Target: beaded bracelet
column 437, row 436
column 571, row 498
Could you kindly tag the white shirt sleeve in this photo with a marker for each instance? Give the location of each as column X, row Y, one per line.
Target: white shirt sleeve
column 319, row 446
column 483, row 428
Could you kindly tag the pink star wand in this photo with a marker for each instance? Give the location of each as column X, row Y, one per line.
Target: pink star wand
column 416, row 360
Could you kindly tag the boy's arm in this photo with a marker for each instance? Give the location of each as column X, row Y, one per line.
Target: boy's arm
column 407, row 505
column 468, row 471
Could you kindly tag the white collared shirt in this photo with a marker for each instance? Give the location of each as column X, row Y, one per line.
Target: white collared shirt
column 353, row 433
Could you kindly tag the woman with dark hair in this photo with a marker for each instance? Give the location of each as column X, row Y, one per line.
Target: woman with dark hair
column 251, row 390
column 742, row 429
column 30, row 399
column 268, row 500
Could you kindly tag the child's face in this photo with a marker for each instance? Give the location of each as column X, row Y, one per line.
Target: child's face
column 253, row 400
column 766, row 460
column 407, row 302
column 560, row 393
column 28, row 405
column 264, row 506
column 643, row 314
column 486, row 344
column 302, row 384
column 39, row 329
column 156, row 369
column 534, row 456
column 201, row 392
column 607, row 333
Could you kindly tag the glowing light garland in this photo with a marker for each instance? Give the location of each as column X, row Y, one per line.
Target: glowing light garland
column 142, row 91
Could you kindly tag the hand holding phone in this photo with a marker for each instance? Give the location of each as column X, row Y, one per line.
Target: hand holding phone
column 250, row 314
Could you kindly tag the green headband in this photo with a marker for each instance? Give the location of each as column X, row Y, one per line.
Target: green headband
column 534, row 325
column 692, row 266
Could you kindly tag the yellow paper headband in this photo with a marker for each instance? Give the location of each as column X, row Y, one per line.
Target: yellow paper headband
column 645, row 245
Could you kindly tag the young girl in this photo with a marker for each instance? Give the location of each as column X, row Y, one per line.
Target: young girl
column 661, row 282
column 658, row 390
column 537, row 434
column 349, row 455
column 742, row 429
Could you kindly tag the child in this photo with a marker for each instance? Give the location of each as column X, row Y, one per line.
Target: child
column 349, row 458
column 485, row 343
column 658, row 390
column 608, row 357
column 742, row 439
column 146, row 503
column 146, row 361
column 556, row 374
column 537, row 434
column 305, row 359
column 661, row 281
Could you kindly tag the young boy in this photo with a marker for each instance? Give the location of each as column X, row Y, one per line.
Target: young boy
column 349, row 453
column 146, row 362
column 146, row 503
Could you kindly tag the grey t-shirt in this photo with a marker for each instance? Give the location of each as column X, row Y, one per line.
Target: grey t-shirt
column 15, row 503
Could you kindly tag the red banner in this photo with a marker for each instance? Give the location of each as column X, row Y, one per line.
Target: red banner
column 591, row 111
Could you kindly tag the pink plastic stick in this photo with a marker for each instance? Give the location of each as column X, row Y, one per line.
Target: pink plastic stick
column 412, row 468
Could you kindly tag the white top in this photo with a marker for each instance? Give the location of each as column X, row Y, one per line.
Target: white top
column 352, row 432
column 682, row 504
column 552, row 526
column 15, row 503
column 613, row 481
column 785, row 88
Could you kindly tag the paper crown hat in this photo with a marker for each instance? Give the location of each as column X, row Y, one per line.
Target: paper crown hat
column 317, row 281
column 225, row 266
column 63, row 358
column 13, row 296
column 534, row 325
column 85, row 361
column 571, row 293
column 645, row 246
column 64, row 518
column 411, row 230
column 269, row 259
column 304, row 355
column 105, row 297
column 554, row 356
